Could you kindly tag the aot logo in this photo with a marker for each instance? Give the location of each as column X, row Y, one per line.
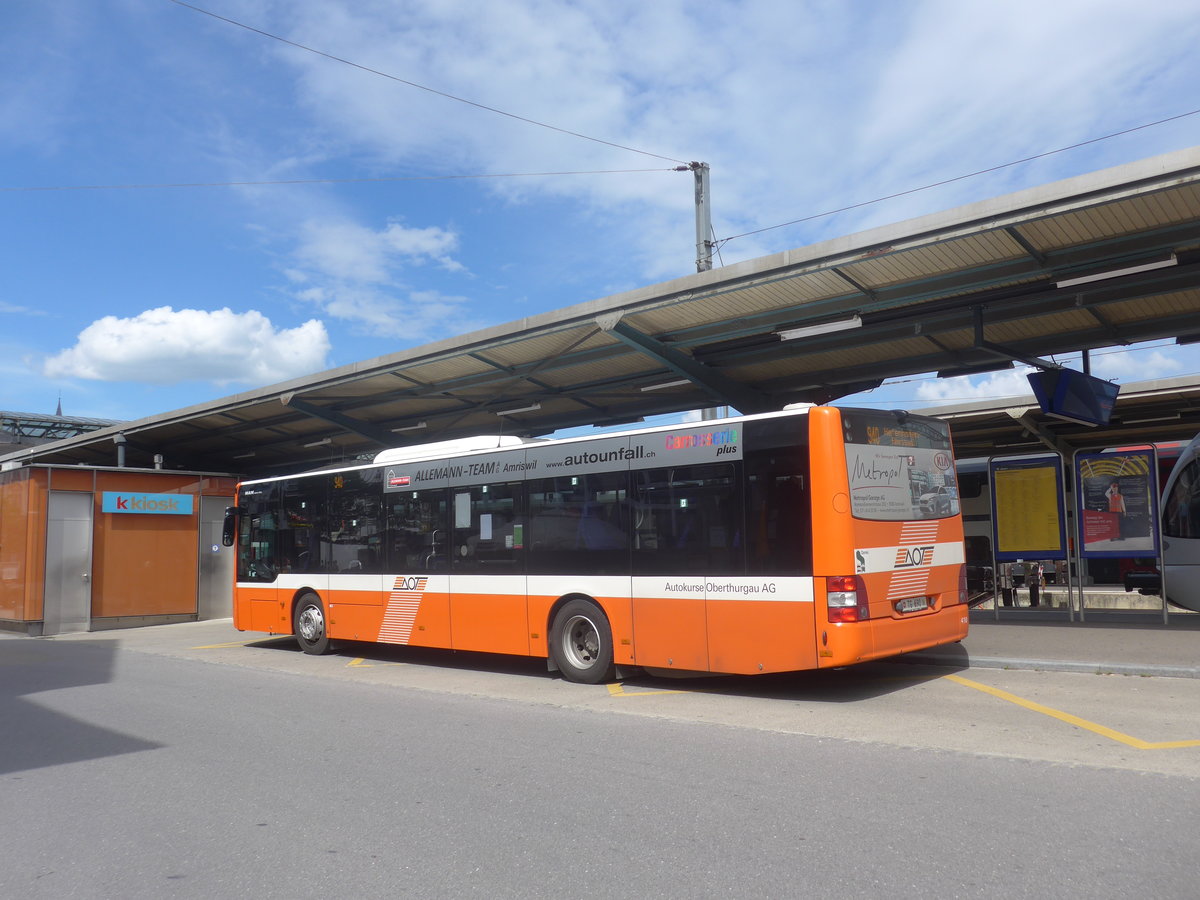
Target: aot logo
column 911, row 557
column 411, row 583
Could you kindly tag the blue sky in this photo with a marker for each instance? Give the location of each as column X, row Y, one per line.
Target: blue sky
column 130, row 301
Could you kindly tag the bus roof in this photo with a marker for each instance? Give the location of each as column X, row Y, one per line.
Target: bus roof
column 482, row 444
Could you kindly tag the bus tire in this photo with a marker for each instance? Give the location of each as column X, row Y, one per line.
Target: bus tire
column 581, row 643
column 308, row 624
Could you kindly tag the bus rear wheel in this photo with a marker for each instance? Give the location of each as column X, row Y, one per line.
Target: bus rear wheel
column 581, row 643
column 308, row 624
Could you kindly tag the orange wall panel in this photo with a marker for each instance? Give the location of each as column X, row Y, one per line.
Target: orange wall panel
column 144, row 565
column 71, row 479
column 15, row 527
column 147, row 482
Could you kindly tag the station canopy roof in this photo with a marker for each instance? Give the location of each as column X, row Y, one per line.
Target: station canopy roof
column 1146, row 412
column 1099, row 260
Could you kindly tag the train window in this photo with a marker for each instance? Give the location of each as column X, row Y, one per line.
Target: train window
column 1181, row 511
column 971, row 484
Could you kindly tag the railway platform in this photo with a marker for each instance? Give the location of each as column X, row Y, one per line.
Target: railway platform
column 1119, row 643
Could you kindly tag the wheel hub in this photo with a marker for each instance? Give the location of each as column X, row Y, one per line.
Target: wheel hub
column 312, row 624
column 583, row 641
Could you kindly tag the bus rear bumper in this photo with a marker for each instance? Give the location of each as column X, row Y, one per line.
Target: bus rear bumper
column 856, row 642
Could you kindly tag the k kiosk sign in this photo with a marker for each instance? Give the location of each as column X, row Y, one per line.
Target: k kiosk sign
column 147, row 504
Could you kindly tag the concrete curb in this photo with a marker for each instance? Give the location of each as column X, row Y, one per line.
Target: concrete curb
column 962, row 660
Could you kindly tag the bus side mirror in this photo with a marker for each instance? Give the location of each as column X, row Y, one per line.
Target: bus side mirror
column 229, row 528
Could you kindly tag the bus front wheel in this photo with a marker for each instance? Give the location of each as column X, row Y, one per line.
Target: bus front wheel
column 308, row 624
column 581, row 643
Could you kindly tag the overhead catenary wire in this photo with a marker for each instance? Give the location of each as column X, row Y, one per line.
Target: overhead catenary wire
column 716, row 243
column 422, row 87
column 945, row 181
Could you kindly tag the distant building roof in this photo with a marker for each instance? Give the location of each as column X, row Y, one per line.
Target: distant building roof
column 37, row 428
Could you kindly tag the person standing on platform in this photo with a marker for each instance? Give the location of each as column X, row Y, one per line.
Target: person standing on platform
column 1033, row 580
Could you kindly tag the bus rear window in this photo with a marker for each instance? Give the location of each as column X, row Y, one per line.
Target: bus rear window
column 900, row 467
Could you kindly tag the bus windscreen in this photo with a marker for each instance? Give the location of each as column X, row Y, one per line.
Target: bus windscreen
column 900, row 467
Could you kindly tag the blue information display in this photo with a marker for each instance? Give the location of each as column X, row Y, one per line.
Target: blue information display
column 147, row 504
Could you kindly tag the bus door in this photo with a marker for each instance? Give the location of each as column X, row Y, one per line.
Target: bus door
column 417, row 586
column 488, row 606
column 256, row 605
column 687, row 531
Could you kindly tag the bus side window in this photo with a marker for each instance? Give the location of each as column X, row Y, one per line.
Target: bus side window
column 489, row 529
column 780, row 516
column 687, row 521
column 303, row 537
column 579, row 524
column 778, row 502
column 354, row 522
column 258, row 536
column 417, row 528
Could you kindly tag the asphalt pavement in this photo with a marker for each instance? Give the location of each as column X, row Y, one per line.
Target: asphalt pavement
column 1119, row 644
column 1124, row 643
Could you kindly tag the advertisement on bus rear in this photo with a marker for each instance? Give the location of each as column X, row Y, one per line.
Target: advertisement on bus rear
column 899, row 472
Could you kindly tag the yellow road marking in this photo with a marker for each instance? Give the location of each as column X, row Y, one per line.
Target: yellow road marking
column 1101, row 730
column 618, row 690
column 361, row 663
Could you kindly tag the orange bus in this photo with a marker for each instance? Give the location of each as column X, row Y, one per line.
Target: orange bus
column 766, row 543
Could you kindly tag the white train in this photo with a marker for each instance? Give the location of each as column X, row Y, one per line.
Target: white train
column 1181, row 529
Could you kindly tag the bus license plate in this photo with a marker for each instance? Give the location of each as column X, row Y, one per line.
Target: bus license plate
column 912, row 604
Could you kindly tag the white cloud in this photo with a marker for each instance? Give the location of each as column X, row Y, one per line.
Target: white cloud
column 351, row 252
column 165, row 346
column 13, row 309
column 799, row 107
column 358, row 275
column 1127, row 365
column 1133, row 366
column 966, row 388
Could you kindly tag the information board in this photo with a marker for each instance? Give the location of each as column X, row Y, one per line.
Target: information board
column 1027, row 509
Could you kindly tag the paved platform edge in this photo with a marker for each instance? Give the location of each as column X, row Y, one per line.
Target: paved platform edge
column 962, row 660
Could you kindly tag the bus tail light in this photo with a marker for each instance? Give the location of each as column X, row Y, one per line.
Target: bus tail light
column 962, row 583
column 846, row 599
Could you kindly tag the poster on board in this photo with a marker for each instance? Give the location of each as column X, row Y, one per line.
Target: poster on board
column 1116, row 497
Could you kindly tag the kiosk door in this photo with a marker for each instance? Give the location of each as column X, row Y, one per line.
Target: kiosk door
column 67, row 602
